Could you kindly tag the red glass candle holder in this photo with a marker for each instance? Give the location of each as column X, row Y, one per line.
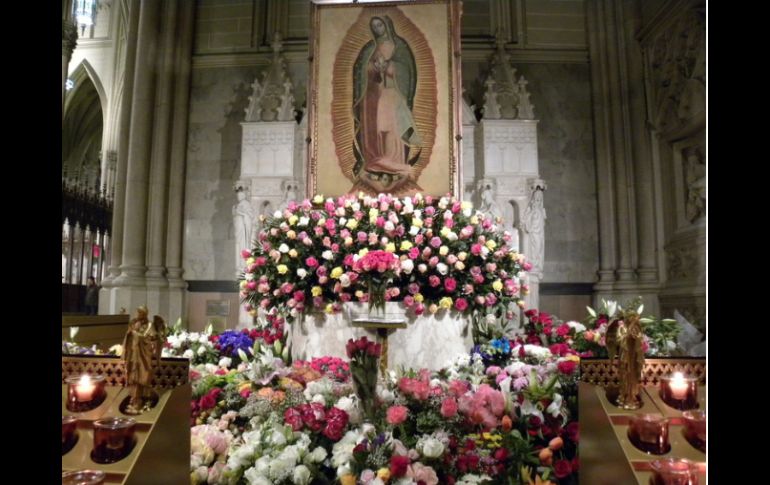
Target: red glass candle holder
column 679, row 392
column 113, row 439
column 83, row 477
column 649, row 433
column 85, row 392
column 674, row 471
column 695, row 429
column 69, row 435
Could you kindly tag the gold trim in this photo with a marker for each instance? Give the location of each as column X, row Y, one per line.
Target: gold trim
column 171, row 373
column 601, row 373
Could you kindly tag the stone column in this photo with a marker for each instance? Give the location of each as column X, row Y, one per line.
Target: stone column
column 174, row 234
column 107, row 300
column 157, row 197
column 628, row 266
column 133, row 264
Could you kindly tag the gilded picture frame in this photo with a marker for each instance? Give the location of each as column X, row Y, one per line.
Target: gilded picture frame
column 384, row 98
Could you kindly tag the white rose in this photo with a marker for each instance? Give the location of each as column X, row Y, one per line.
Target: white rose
column 201, row 350
column 327, row 255
column 301, row 475
column 225, row 362
column 283, row 248
column 345, row 403
column 467, row 212
column 303, row 221
column 414, row 230
column 432, row 448
column 579, row 327
column 277, row 214
column 301, row 272
column 407, row 266
column 318, row 455
column 345, row 280
column 389, row 226
column 442, row 268
column 188, row 354
column 452, row 236
column 422, row 268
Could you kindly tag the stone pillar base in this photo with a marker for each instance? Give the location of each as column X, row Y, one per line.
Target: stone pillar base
column 169, row 303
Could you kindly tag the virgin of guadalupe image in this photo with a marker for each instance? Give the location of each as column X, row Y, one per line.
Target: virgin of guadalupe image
column 386, row 141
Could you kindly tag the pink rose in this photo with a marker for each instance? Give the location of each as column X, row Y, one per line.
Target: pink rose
column 448, row 407
column 397, row 414
column 450, row 284
column 461, row 304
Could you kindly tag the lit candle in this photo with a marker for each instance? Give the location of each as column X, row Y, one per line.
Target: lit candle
column 679, row 386
column 84, row 390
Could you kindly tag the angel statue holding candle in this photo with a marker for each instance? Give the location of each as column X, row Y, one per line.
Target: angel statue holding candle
column 142, row 349
column 624, row 338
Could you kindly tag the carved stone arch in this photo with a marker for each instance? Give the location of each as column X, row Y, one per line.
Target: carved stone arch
column 84, row 70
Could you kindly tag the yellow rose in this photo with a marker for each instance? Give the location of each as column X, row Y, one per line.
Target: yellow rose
column 250, row 261
column 443, row 250
column 363, row 252
column 292, row 253
column 466, row 205
column 373, row 213
column 474, row 220
column 318, row 199
column 359, row 294
column 491, row 244
column 293, row 220
column 459, row 266
column 433, row 308
column 352, row 224
column 445, row 303
column 444, row 231
column 497, row 285
column 243, row 284
column 390, row 247
column 244, row 386
column 321, row 221
column 417, row 222
column 282, row 269
column 291, row 234
column 419, row 298
column 383, row 474
column 513, row 255
column 329, row 308
column 316, row 291
column 462, row 255
column 406, row 245
column 336, row 273
column 573, row 357
column 348, row 241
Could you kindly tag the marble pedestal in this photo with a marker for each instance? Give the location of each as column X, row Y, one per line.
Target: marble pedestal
column 429, row 341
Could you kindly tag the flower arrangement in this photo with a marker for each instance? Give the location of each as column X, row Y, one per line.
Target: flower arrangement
column 432, row 255
column 364, row 358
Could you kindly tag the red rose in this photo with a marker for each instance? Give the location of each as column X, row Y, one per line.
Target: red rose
column 567, row 366
column 350, row 348
column 398, row 465
column 293, row 418
column 573, row 431
column 562, row 468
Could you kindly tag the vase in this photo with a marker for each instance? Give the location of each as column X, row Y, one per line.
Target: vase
column 377, row 299
column 364, row 375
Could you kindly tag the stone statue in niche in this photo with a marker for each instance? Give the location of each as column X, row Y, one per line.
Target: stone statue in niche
column 286, row 111
column 526, row 108
column 533, row 223
column 289, row 189
column 491, row 106
column 243, row 222
column 695, row 179
column 489, row 205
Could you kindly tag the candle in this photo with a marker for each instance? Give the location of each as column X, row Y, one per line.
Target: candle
column 649, row 433
column 113, row 439
column 674, row 471
column 695, row 428
column 68, row 436
column 678, row 386
column 83, row 477
column 84, row 390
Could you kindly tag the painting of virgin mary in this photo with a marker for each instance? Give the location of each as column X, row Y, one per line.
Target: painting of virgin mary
column 386, row 142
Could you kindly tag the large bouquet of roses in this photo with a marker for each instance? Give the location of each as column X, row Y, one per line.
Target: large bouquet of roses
column 444, row 256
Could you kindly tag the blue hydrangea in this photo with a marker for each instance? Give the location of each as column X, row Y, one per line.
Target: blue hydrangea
column 231, row 340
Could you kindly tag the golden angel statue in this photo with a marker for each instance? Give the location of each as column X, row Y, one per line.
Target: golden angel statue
column 141, row 351
column 624, row 338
